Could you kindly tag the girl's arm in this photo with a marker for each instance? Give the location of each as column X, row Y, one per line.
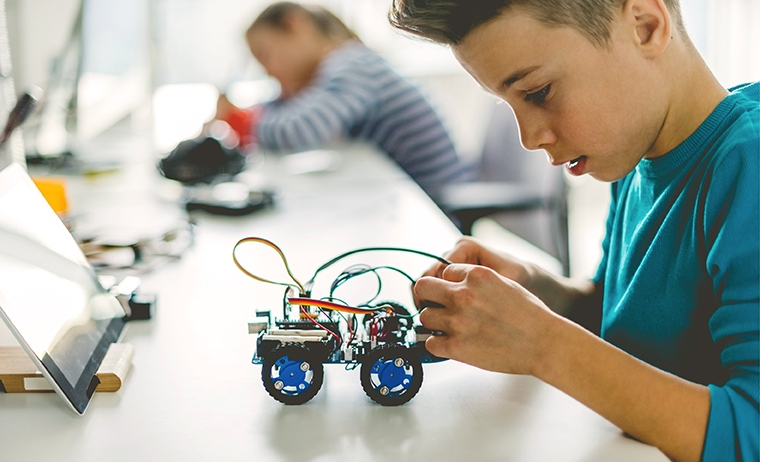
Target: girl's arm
column 321, row 113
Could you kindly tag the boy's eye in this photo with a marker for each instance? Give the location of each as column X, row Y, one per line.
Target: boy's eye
column 538, row 97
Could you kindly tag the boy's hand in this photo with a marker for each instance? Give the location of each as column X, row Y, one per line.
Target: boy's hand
column 471, row 251
column 490, row 321
column 556, row 292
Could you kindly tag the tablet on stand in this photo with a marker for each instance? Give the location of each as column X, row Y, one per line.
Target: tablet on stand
column 50, row 296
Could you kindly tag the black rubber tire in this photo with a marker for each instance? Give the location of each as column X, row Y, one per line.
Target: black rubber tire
column 384, row 355
column 288, row 355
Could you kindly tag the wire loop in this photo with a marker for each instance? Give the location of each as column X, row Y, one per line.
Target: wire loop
column 351, row 272
column 258, row 278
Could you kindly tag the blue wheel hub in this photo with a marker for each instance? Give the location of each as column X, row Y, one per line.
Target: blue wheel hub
column 291, row 377
column 392, row 376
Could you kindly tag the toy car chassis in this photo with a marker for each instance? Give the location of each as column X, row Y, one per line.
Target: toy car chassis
column 380, row 337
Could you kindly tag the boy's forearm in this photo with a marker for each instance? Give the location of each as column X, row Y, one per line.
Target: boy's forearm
column 653, row 406
column 557, row 292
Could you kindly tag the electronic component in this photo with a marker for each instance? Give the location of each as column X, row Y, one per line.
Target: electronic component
column 136, row 305
column 383, row 338
column 229, row 198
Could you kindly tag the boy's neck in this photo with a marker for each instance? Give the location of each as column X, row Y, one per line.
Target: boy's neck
column 695, row 93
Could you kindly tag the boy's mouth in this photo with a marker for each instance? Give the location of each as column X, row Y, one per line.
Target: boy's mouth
column 576, row 166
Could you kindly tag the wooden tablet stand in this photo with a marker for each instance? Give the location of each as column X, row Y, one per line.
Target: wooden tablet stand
column 18, row 374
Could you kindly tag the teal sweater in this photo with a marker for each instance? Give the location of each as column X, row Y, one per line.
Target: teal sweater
column 681, row 268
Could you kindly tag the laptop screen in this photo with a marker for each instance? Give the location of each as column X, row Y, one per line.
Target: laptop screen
column 50, row 296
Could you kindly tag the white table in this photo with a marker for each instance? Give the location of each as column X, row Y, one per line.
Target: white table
column 193, row 394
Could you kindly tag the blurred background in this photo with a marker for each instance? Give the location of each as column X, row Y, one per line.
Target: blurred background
column 128, row 53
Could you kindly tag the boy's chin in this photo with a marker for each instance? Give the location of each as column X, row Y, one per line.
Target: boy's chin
column 607, row 177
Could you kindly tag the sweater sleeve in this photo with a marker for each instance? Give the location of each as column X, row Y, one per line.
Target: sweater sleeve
column 322, row 113
column 732, row 237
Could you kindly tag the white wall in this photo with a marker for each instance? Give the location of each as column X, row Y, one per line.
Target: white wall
column 38, row 31
column 727, row 34
column 201, row 41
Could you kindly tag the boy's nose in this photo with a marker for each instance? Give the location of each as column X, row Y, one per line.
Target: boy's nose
column 535, row 135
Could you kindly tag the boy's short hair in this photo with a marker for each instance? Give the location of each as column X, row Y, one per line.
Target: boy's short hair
column 449, row 21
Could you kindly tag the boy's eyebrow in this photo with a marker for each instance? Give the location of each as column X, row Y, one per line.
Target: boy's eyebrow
column 516, row 76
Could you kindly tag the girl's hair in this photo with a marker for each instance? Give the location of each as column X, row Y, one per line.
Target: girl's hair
column 327, row 23
column 449, row 21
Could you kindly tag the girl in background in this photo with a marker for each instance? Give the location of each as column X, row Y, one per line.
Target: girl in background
column 333, row 87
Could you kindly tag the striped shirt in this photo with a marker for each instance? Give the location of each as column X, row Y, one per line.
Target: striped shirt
column 355, row 94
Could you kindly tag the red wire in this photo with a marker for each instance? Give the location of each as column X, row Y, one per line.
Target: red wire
column 315, row 322
column 353, row 332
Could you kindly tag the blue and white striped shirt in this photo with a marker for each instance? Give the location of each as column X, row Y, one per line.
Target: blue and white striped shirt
column 355, row 94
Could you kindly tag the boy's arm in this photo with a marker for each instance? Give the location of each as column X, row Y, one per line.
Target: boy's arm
column 586, row 311
column 487, row 314
column 683, row 419
column 579, row 300
column 731, row 228
column 652, row 405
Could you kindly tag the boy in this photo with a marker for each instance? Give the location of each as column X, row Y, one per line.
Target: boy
column 615, row 89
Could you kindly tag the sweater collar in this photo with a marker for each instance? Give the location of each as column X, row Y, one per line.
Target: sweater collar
column 691, row 146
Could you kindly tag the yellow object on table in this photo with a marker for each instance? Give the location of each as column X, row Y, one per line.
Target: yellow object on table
column 54, row 191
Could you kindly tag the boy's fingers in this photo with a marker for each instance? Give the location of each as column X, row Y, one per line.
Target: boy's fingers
column 457, row 255
column 436, row 290
column 431, row 289
column 438, row 346
column 435, row 319
column 435, row 271
column 455, row 272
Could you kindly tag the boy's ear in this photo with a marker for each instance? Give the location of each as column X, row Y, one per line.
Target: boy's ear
column 652, row 25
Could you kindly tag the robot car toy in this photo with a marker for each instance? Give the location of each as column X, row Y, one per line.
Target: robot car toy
column 383, row 338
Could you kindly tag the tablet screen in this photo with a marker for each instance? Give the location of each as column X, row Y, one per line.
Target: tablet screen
column 49, row 293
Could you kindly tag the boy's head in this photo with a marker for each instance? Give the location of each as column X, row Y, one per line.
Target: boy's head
column 590, row 81
column 290, row 39
column 449, row 21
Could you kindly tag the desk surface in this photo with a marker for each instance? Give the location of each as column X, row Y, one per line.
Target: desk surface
column 194, row 395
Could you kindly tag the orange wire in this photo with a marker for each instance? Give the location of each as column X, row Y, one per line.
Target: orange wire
column 277, row 249
column 330, row 305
